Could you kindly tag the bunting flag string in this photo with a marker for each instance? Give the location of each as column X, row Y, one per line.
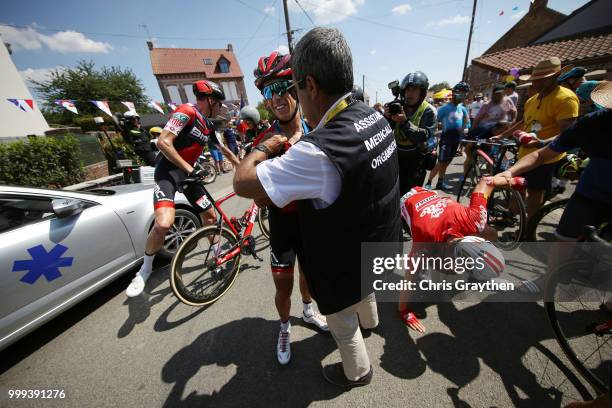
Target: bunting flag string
column 67, row 104
column 157, row 106
column 26, row 105
column 130, row 106
column 103, row 106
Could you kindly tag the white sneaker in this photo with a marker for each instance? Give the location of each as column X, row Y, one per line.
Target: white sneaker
column 138, row 284
column 318, row 320
column 283, row 347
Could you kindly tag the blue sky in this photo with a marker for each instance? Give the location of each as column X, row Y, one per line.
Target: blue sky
column 388, row 38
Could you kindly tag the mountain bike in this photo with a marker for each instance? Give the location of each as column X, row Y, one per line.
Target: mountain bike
column 506, row 210
column 577, row 299
column 207, row 262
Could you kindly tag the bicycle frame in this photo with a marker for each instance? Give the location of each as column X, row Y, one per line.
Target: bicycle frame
column 252, row 216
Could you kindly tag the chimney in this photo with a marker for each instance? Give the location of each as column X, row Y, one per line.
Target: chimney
column 538, row 5
column 230, row 48
column 150, row 45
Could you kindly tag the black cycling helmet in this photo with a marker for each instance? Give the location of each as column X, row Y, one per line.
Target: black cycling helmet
column 417, row 79
column 358, row 93
column 461, row 87
column 510, row 84
column 576, row 72
column 205, row 87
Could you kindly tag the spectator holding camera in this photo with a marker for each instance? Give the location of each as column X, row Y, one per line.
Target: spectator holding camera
column 413, row 121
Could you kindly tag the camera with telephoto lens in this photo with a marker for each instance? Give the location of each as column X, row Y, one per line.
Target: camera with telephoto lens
column 395, row 107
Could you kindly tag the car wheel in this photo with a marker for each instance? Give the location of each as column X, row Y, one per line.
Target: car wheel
column 185, row 223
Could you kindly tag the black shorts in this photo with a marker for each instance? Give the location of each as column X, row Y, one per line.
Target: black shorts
column 581, row 211
column 449, row 143
column 540, row 178
column 285, row 240
column 170, row 180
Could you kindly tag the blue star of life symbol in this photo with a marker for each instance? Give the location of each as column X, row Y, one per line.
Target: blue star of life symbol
column 43, row 263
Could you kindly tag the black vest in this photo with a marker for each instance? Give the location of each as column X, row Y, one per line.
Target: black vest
column 360, row 144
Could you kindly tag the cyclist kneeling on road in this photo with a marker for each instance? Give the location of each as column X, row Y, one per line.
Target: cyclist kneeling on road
column 414, row 129
column 591, row 203
column 454, row 118
column 438, row 219
column 273, row 78
column 181, row 143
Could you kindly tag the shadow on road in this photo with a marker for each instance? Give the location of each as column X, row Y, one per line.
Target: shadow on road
column 259, row 380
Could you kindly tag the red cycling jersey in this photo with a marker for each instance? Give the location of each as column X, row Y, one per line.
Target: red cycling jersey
column 433, row 218
column 192, row 132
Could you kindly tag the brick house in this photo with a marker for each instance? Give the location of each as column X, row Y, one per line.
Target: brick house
column 176, row 69
column 582, row 38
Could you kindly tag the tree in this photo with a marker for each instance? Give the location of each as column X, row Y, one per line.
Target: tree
column 440, row 86
column 264, row 112
column 84, row 83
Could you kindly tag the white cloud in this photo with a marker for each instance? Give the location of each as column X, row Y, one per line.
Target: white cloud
column 328, row 11
column 63, row 42
column 38, row 74
column 401, row 9
column 269, row 10
column 283, row 49
column 458, row 19
column 372, row 52
column 518, row 15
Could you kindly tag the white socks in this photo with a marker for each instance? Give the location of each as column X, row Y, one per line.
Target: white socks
column 308, row 310
column 147, row 266
column 285, row 326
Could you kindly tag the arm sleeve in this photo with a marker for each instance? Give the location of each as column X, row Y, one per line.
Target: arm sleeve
column 179, row 119
column 567, row 109
column 304, row 172
column 471, row 220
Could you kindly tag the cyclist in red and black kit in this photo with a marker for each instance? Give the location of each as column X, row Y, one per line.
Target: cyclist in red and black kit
column 273, row 78
column 181, row 143
column 438, row 219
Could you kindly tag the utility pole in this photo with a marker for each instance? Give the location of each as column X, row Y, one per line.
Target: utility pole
column 288, row 26
column 467, row 53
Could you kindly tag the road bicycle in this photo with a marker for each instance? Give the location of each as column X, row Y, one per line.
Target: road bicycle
column 577, row 299
column 206, row 264
column 506, row 210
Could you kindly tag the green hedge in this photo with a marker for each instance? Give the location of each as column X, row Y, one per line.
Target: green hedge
column 41, row 162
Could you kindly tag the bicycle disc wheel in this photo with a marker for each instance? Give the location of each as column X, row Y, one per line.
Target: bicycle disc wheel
column 573, row 312
column 195, row 277
column 262, row 219
column 508, row 216
column 543, row 224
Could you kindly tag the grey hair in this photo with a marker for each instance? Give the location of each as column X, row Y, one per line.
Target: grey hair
column 324, row 54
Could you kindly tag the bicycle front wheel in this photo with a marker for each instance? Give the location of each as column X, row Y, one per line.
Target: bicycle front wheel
column 573, row 303
column 264, row 223
column 197, row 278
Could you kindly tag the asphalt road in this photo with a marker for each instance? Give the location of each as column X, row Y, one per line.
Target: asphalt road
column 111, row 351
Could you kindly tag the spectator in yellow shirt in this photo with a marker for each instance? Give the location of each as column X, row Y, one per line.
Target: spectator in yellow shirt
column 551, row 110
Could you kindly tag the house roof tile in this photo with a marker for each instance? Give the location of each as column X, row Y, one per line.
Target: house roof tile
column 190, row 60
column 569, row 51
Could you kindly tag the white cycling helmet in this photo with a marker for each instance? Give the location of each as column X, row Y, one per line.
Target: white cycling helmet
column 131, row 114
column 250, row 112
column 488, row 259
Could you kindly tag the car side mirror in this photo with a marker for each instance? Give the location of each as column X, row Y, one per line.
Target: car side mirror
column 66, row 207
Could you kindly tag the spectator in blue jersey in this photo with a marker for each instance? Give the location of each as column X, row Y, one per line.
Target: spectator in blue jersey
column 454, row 118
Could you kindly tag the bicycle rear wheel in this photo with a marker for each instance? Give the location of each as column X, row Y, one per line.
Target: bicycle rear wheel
column 476, row 170
column 195, row 277
column 573, row 313
column 543, row 224
column 508, row 216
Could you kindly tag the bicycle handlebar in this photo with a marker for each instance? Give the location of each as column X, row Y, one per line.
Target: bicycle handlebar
column 508, row 143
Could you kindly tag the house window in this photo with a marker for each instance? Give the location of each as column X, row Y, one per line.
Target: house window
column 174, row 94
column 230, row 90
column 208, row 61
column 223, row 66
column 188, row 88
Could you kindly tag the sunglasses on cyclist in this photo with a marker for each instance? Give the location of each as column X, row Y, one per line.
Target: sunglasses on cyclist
column 280, row 88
